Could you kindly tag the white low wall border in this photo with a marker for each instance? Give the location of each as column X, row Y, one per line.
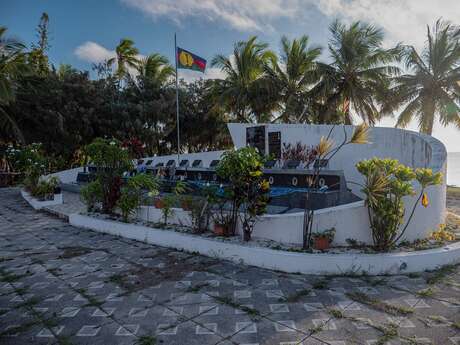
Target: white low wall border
column 37, row 204
column 325, row 264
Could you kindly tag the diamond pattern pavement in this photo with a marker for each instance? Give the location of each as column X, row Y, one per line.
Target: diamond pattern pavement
column 64, row 285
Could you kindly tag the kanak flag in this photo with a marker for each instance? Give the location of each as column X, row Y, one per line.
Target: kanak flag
column 187, row 60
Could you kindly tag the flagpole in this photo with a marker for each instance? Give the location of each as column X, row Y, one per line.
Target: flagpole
column 177, row 103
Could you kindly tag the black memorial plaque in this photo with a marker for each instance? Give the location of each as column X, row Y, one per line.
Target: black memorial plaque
column 274, row 144
column 255, row 137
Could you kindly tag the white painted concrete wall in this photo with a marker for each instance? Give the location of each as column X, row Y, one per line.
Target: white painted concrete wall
column 410, row 148
column 374, row 264
column 67, row 176
column 348, row 220
column 39, row 204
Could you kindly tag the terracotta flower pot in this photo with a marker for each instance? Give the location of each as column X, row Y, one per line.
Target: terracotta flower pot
column 158, row 203
column 220, row 230
column 185, row 205
column 321, row 243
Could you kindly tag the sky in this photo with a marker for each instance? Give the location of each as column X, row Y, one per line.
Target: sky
column 87, row 31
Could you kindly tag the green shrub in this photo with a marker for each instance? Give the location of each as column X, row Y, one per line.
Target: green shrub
column 45, row 188
column 91, row 194
column 249, row 190
column 31, row 162
column 170, row 200
column 387, row 183
column 111, row 161
column 131, row 194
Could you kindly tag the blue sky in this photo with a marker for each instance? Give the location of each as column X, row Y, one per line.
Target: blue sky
column 87, row 31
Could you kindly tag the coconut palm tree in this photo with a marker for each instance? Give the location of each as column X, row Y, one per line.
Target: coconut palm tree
column 292, row 76
column 432, row 86
column 359, row 73
column 243, row 91
column 156, row 68
column 126, row 57
column 12, row 66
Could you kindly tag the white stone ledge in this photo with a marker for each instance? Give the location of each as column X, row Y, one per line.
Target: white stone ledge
column 37, row 204
column 328, row 264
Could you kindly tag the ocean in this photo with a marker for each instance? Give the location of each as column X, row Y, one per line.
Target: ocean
column 453, row 168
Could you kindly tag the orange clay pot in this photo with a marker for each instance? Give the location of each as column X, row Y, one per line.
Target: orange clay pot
column 321, row 243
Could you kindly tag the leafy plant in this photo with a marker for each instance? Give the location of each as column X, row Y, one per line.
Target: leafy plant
column 326, row 150
column 387, row 183
column 131, row 194
column 30, row 161
column 91, row 194
column 170, row 200
column 329, row 234
column 111, row 161
column 442, row 234
column 45, row 188
column 249, row 190
column 299, row 152
column 199, row 213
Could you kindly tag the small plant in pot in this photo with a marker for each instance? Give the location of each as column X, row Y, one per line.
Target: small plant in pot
column 186, row 202
column 159, row 202
column 322, row 240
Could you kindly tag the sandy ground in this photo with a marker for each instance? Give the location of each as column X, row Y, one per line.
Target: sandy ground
column 453, row 208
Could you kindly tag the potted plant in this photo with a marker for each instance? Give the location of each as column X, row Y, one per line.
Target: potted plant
column 221, row 228
column 322, row 240
column 186, row 202
column 158, row 203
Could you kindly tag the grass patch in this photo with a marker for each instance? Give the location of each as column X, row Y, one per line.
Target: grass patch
column 338, row 314
column 379, row 305
column 231, row 303
column 295, row 296
column 456, row 325
column 437, row 276
column 72, row 252
column 146, row 340
column 428, row 292
column 320, row 284
column 28, row 303
column 19, row 329
column 197, row 287
column 390, row 331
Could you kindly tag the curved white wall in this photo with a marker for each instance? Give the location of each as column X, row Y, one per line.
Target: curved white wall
column 351, row 220
column 410, row 148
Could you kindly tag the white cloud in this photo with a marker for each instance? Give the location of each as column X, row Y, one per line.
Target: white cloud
column 402, row 20
column 238, row 14
column 210, row 73
column 93, row 52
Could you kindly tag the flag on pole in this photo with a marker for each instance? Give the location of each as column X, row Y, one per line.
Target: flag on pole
column 187, row 60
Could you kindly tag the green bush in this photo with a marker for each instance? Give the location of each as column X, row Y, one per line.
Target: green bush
column 170, row 200
column 111, row 161
column 45, row 188
column 91, row 194
column 387, row 183
column 131, row 194
column 249, row 190
column 31, row 162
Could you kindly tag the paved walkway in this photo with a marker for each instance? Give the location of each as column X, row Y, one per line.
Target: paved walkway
column 64, row 285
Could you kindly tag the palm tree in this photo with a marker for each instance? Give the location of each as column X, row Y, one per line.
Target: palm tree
column 359, row 72
column 243, row 91
column 126, row 57
column 433, row 86
column 156, row 68
column 12, row 66
column 292, row 76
